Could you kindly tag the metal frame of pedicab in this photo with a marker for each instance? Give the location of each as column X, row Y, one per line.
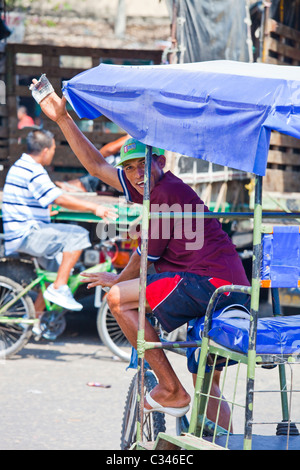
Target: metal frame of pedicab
column 254, row 291
column 89, row 84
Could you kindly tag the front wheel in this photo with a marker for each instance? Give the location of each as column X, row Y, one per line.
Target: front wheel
column 154, row 422
column 111, row 334
column 17, row 322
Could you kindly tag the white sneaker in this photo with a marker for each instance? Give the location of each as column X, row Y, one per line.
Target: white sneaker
column 63, row 297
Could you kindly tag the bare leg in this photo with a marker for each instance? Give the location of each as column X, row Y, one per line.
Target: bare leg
column 123, row 303
column 69, row 260
column 213, row 404
column 39, row 305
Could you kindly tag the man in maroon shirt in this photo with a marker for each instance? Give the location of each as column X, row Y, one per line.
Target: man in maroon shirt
column 185, row 277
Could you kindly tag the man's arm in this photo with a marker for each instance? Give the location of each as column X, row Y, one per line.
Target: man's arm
column 131, row 271
column 113, row 147
column 108, row 149
column 74, row 203
column 54, row 108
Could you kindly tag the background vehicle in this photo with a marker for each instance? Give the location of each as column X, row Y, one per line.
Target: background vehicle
column 18, row 290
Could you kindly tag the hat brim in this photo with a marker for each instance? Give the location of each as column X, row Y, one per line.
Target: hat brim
column 130, row 157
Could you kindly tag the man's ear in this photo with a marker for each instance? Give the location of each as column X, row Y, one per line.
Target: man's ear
column 161, row 160
column 43, row 154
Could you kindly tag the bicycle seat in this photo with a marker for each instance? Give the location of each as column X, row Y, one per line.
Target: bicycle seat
column 23, row 256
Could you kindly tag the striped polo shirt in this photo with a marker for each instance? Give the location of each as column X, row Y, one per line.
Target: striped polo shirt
column 27, row 193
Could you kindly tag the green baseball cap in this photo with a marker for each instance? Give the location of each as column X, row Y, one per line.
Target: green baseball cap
column 135, row 149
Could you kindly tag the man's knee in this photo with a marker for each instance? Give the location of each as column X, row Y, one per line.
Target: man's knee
column 113, row 300
column 123, row 297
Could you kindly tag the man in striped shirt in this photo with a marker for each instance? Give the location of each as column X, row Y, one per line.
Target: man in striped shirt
column 27, row 195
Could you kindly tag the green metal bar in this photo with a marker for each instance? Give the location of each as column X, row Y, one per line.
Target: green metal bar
column 281, row 367
column 205, row 395
column 224, row 374
column 254, row 306
column 199, row 386
column 142, row 292
column 20, row 294
column 222, row 215
column 233, row 401
column 26, row 321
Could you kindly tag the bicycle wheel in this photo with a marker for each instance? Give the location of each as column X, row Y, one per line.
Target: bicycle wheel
column 14, row 333
column 111, row 334
column 153, row 422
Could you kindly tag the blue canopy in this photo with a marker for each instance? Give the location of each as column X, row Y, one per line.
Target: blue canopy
column 220, row 111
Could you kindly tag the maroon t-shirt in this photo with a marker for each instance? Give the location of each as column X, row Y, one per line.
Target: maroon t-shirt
column 198, row 246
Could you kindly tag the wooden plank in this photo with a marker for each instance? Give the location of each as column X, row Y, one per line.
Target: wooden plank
column 3, row 153
column 3, row 110
column 99, row 138
column 283, row 30
column 49, row 70
column 283, row 158
column 275, row 43
column 284, row 140
column 64, row 156
column 3, row 132
column 140, row 54
column 64, row 175
column 284, row 50
column 281, row 181
column 274, row 61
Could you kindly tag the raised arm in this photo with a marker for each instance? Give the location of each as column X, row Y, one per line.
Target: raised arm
column 54, row 108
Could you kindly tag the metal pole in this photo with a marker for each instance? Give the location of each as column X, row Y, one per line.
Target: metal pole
column 281, row 367
column 255, row 290
column 142, row 293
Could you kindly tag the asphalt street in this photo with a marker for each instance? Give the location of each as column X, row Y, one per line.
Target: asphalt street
column 47, row 404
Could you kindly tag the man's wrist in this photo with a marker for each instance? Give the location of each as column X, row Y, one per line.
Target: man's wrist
column 61, row 120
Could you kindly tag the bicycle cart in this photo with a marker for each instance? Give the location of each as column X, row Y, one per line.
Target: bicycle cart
column 222, row 112
column 21, row 274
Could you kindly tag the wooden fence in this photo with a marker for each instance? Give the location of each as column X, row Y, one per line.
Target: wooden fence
column 24, row 62
column 282, row 47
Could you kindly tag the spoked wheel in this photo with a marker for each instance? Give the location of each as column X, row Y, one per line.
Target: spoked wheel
column 16, row 323
column 111, row 334
column 153, row 422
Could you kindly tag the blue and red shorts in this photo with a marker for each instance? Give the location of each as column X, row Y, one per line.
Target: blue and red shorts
column 176, row 298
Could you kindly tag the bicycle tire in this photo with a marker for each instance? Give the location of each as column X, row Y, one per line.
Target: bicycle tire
column 154, row 422
column 14, row 336
column 111, row 334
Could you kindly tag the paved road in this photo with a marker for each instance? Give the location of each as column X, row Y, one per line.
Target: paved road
column 46, row 402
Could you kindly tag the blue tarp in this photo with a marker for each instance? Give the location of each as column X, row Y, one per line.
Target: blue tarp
column 219, row 111
column 275, row 335
column 281, row 257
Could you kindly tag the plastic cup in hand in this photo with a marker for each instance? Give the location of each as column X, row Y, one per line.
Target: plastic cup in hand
column 41, row 88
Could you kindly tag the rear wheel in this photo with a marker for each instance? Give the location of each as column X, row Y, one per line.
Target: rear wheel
column 153, row 422
column 16, row 323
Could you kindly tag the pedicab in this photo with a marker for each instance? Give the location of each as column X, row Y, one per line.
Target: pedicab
column 222, row 112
